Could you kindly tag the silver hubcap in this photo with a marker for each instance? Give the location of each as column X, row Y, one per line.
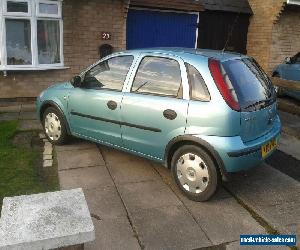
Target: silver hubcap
column 192, row 173
column 52, row 126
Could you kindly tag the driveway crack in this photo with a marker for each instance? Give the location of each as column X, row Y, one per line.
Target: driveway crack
column 127, row 212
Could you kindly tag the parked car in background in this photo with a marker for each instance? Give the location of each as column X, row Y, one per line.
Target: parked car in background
column 290, row 70
column 201, row 113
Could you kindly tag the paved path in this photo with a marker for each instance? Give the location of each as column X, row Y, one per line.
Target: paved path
column 272, row 195
column 135, row 203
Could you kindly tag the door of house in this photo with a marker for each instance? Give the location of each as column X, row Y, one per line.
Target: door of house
column 152, row 28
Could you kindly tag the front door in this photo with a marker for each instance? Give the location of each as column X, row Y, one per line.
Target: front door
column 154, row 110
column 95, row 107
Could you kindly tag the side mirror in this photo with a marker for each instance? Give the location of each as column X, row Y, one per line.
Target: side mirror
column 76, row 81
column 288, row 60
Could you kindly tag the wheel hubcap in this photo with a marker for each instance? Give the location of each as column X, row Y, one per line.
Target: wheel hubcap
column 53, row 126
column 192, row 173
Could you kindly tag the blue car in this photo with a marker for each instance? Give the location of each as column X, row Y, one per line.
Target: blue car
column 290, row 70
column 201, row 113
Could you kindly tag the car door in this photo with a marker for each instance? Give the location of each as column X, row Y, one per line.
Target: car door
column 154, row 107
column 94, row 108
column 292, row 70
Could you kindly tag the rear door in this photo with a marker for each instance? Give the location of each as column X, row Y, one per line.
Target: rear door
column 255, row 94
column 95, row 107
column 154, row 108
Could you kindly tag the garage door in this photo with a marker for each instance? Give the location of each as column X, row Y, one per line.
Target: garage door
column 148, row 28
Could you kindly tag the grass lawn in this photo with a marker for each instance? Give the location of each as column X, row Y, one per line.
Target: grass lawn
column 20, row 166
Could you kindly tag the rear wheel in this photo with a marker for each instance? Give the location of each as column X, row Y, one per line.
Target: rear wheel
column 54, row 126
column 195, row 173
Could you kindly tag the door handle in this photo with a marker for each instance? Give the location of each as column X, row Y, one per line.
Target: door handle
column 170, row 114
column 112, row 105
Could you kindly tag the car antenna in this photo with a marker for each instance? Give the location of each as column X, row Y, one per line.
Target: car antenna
column 231, row 31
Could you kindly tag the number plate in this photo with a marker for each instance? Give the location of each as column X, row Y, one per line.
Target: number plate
column 268, row 147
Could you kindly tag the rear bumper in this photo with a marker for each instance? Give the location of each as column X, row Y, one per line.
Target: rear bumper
column 237, row 155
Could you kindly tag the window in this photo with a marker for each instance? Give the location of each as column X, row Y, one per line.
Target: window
column 31, row 34
column 158, row 76
column 109, row 74
column 249, row 81
column 198, row 87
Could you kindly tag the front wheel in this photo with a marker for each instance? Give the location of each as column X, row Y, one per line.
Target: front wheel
column 54, row 126
column 195, row 173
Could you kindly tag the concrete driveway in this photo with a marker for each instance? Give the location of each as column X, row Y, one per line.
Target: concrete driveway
column 136, row 205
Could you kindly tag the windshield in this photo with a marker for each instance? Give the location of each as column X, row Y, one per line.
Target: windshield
column 251, row 84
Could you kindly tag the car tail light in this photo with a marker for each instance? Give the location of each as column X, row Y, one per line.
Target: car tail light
column 223, row 83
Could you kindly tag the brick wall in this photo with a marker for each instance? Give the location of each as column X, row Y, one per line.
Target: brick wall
column 265, row 14
column 84, row 20
column 285, row 36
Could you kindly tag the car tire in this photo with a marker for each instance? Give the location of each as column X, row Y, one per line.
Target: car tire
column 54, row 126
column 279, row 90
column 195, row 173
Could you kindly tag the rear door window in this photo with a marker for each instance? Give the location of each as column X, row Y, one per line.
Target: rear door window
column 250, row 82
column 158, row 76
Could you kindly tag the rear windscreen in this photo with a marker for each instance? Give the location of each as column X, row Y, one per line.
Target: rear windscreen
column 250, row 82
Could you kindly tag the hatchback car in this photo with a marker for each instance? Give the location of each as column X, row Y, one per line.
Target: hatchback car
column 289, row 70
column 202, row 113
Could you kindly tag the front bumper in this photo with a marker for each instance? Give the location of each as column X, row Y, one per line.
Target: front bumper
column 237, row 155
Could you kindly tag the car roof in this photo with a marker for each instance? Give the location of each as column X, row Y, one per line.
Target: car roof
column 185, row 53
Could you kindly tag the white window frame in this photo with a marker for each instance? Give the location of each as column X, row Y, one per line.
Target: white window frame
column 16, row 13
column 33, row 16
column 58, row 15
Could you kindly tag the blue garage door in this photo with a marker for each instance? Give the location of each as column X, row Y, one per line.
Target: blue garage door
column 147, row 28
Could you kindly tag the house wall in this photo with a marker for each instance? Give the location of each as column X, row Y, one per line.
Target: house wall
column 285, row 36
column 84, row 20
column 265, row 14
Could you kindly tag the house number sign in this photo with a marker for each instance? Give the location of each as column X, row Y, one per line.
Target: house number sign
column 105, row 36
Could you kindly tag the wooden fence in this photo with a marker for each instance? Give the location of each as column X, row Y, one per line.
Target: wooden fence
column 286, row 84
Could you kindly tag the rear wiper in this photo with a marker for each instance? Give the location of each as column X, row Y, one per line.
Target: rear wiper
column 262, row 103
column 255, row 104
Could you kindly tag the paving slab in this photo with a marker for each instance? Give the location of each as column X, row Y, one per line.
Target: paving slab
column 147, row 194
column 113, row 234
column 30, row 125
column 86, row 178
column 45, row 221
column 168, row 228
column 79, row 158
column 9, row 116
column 126, row 168
column 236, row 246
column 76, row 144
column 289, row 145
column 272, row 194
column 224, row 220
column 105, row 203
column 290, row 123
column 28, row 115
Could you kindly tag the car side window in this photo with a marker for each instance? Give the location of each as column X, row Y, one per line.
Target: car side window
column 158, row 76
column 297, row 58
column 109, row 74
column 198, row 87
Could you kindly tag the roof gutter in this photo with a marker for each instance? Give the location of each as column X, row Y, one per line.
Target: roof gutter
column 293, row 2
